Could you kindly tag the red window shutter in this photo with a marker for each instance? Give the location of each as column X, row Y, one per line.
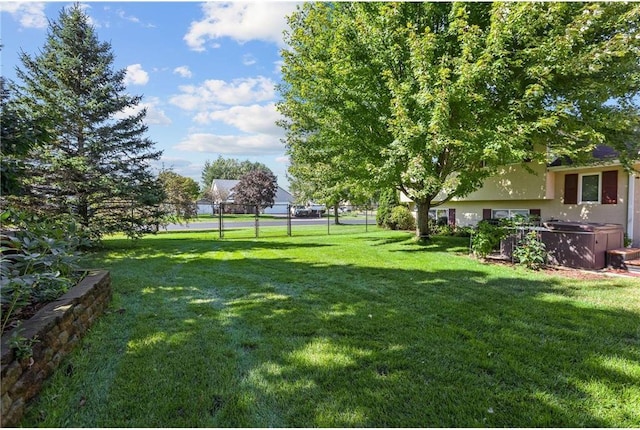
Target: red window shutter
column 452, row 217
column 609, row 187
column 571, row 189
column 486, row 213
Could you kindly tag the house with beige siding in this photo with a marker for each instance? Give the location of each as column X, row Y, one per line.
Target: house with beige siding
column 599, row 193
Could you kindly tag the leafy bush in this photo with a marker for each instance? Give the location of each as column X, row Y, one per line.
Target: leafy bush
column 438, row 228
column 627, row 241
column 463, row 231
column 401, row 219
column 487, row 238
column 37, row 264
column 388, row 200
column 531, row 251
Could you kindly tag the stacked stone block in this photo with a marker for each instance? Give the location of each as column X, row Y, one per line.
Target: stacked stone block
column 59, row 326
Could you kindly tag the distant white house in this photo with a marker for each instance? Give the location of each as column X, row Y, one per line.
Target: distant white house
column 221, row 190
column 205, row 207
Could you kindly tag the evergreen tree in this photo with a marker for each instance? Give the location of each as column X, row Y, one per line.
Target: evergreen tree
column 228, row 168
column 96, row 164
column 388, row 200
column 18, row 135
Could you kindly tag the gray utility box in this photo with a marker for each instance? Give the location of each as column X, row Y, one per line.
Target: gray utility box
column 581, row 245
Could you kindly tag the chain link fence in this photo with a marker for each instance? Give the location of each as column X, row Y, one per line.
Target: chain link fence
column 242, row 221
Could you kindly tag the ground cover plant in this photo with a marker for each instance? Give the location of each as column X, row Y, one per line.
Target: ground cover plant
column 351, row 330
column 38, row 263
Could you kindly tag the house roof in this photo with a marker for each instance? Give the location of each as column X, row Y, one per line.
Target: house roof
column 225, row 185
column 599, row 153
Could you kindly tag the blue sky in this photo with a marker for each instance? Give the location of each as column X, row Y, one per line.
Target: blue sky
column 207, row 72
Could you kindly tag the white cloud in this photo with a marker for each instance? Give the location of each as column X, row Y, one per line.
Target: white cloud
column 249, row 60
column 257, row 144
column 180, row 166
column 241, row 22
column 131, row 18
column 183, row 71
column 136, row 75
column 155, row 115
column 213, row 93
column 126, row 17
column 250, row 119
column 277, row 69
column 29, row 15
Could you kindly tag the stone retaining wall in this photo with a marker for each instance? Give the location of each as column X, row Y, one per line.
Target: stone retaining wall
column 59, row 326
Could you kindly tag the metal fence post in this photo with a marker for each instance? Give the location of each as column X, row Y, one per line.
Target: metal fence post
column 256, row 221
column 328, row 223
column 220, row 226
column 289, row 220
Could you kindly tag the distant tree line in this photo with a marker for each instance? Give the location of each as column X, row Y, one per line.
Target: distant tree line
column 228, row 168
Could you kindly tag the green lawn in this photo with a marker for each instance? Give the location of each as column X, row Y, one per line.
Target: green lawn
column 364, row 330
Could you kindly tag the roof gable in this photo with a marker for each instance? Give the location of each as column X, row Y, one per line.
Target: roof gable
column 225, row 186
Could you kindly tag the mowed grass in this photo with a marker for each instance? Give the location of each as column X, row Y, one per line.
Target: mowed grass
column 351, row 330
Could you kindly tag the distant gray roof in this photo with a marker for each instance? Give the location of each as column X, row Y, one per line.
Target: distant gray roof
column 283, row 196
column 225, row 185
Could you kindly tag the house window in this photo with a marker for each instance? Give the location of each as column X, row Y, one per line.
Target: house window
column 589, row 188
column 601, row 187
column 508, row 213
column 441, row 216
column 438, row 213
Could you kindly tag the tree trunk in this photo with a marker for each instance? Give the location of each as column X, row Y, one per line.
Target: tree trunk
column 83, row 211
column 336, row 217
column 422, row 222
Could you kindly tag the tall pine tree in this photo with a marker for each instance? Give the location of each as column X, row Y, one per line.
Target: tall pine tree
column 96, row 164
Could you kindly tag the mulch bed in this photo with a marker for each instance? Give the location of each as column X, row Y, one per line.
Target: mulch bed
column 568, row 272
column 21, row 315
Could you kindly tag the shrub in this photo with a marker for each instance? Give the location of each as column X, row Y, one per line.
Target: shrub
column 388, row 200
column 487, row 238
column 38, row 263
column 531, row 251
column 402, row 219
column 463, row 231
column 627, row 241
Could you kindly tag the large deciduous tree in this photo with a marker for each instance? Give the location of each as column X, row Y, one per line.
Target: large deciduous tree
column 97, row 162
column 431, row 97
column 323, row 182
column 181, row 195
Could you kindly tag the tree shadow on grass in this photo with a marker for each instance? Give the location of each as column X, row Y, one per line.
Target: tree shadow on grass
column 435, row 243
column 263, row 343
column 206, row 243
column 449, row 358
